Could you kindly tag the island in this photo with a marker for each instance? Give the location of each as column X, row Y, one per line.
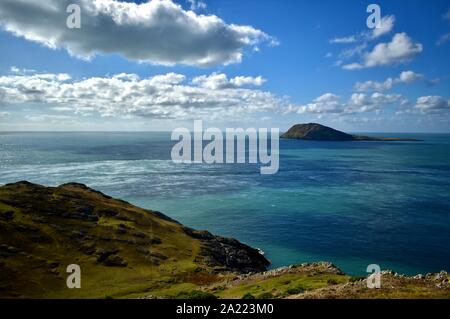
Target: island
column 318, row 132
column 125, row 251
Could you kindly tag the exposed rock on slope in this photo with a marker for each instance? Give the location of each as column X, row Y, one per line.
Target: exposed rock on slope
column 318, row 132
column 44, row 229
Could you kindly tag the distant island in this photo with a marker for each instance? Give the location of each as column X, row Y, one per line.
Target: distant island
column 128, row 252
column 318, row 132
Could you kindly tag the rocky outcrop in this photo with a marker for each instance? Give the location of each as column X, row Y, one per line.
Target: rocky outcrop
column 318, row 132
column 228, row 253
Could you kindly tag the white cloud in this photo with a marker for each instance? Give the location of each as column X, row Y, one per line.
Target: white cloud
column 432, row 104
column 216, row 81
column 387, row 24
column 158, row 31
column 351, row 66
column 162, row 96
column 356, row 50
column 400, row 50
column 330, row 103
column 361, row 103
column 409, row 76
column 404, row 77
column 247, row 80
column 374, row 85
column 326, row 103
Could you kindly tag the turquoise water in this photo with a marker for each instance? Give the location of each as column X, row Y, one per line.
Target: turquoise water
column 352, row 203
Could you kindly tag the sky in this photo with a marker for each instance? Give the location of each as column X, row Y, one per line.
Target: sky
column 161, row 64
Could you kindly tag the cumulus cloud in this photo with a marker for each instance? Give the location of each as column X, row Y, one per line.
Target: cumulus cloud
column 361, row 103
column 409, row 76
column 432, row 104
column 164, row 96
column 387, row 24
column 330, row 103
column 361, row 41
column 326, row 103
column 158, row 31
column 216, row 81
column 401, row 49
column 404, row 77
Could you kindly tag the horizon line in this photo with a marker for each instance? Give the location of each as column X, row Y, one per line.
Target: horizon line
column 158, row 131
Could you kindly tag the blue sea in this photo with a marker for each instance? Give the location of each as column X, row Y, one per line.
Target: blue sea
column 351, row 203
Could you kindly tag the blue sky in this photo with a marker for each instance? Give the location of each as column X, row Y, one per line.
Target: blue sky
column 249, row 63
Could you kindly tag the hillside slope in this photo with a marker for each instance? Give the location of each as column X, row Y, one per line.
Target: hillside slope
column 121, row 249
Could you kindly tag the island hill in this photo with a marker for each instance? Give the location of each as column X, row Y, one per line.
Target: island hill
column 128, row 252
column 318, row 132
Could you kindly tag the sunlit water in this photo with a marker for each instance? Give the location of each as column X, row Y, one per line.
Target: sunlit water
column 351, row 203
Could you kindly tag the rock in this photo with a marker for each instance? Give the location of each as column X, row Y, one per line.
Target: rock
column 88, row 248
column 230, row 253
column 142, row 250
column 155, row 240
column 103, row 254
column 122, row 229
column 53, row 264
column 158, row 255
column 318, row 132
column 115, row 261
column 107, row 212
column 54, row 271
column 441, row 276
column 139, row 234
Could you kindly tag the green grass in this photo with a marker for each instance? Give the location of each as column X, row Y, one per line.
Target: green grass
column 281, row 286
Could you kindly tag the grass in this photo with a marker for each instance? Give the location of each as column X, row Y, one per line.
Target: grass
column 41, row 243
column 281, row 286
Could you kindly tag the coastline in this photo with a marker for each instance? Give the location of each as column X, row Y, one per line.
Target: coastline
column 110, row 237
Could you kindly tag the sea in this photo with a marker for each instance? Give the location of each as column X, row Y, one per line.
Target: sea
column 351, row 203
